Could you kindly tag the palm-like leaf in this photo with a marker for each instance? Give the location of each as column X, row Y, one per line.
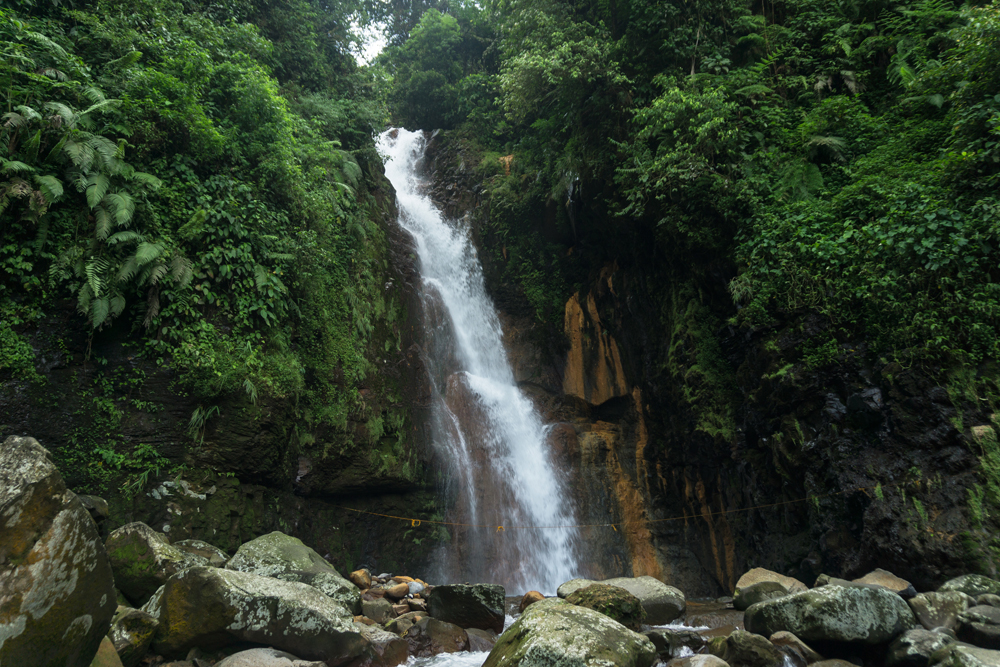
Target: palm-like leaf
column 97, row 186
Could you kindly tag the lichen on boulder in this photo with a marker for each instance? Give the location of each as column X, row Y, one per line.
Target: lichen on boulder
column 555, row 633
column 613, row 602
column 143, row 559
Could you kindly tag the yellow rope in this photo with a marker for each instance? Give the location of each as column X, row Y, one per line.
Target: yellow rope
column 614, row 526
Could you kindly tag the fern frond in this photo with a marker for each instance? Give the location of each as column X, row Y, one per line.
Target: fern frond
column 147, row 252
column 152, row 306
column 50, row 186
column 99, row 309
column 15, row 167
column 124, row 237
column 128, row 270
column 102, row 223
column 117, row 304
column 124, row 207
column 65, row 115
column 260, row 276
column 181, row 270
column 97, row 186
column 147, row 179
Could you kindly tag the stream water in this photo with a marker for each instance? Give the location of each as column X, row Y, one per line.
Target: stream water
column 500, row 469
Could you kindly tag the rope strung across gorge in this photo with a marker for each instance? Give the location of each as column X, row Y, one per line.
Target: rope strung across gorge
column 502, row 528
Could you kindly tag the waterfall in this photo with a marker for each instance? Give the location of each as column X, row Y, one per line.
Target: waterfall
column 495, row 442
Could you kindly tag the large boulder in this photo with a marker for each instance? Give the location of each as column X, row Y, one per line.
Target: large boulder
column 106, row 655
column 972, row 584
column 143, row 559
column 387, row 649
column 573, row 585
column 430, row 636
column 759, row 574
column 612, row 601
column 941, row 609
column 287, row 558
column 132, row 632
column 914, row 648
column 759, row 592
column 963, row 655
column 885, row 579
column 745, row 649
column 57, row 594
column 980, row 626
column 266, row 657
column 468, row 606
column 553, row 633
column 859, row 615
column 661, row 602
column 210, row 608
column 800, row 653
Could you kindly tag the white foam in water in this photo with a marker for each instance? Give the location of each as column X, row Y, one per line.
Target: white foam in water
column 500, row 463
column 463, row 659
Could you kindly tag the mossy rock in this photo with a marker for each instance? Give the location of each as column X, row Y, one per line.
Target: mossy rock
column 612, row 601
column 745, row 649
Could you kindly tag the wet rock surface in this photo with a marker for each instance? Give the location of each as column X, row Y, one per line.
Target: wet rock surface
column 57, row 593
column 143, row 559
column 613, row 602
column 468, row 606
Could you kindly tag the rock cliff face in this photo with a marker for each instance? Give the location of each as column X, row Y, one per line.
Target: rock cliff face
column 251, row 468
column 791, row 447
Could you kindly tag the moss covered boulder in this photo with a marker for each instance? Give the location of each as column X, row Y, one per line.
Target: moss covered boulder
column 745, row 649
column 215, row 556
column 143, row 559
column 963, row 655
column 914, row 648
column 106, row 655
column 662, row 603
column 759, row 592
column 57, row 594
column 210, row 608
column 859, row 615
column 613, row 602
column 468, row 606
column 940, row 609
column 555, row 633
column 285, row 557
column 430, row 636
column 132, row 632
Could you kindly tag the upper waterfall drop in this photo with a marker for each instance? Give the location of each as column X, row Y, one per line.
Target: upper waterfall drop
column 495, row 441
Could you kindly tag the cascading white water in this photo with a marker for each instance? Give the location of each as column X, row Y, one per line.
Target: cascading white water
column 495, row 440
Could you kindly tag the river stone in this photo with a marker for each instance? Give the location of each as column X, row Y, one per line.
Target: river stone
column 266, row 657
column 797, row 650
column 700, row 661
column 132, row 632
column 555, row 633
column 745, row 649
column 430, row 636
column 481, row 641
column 469, row 606
column 401, row 624
column 379, row 610
column 673, row 643
column 963, row 655
column 573, row 585
column 834, row 613
column 765, row 590
column 210, row 608
column 885, row 579
column 759, row 574
column 988, row 599
column 287, row 558
column 613, row 602
column 414, row 587
column 940, row 609
column 143, row 559
column 914, row 647
column 215, row 556
column 972, row 584
column 980, row 626
column 106, row 656
column 529, row 598
column 388, row 649
column 398, row 592
column 661, row 602
column 57, row 594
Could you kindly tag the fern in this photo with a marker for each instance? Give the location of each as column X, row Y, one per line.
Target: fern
column 97, row 186
column 147, row 252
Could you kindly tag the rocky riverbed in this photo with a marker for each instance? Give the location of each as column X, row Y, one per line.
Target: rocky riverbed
column 67, row 597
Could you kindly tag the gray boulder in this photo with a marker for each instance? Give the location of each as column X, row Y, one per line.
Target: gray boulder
column 554, row 633
column 215, row 556
column 57, row 594
column 662, row 603
column 132, row 632
column 430, row 636
column 468, row 606
column 143, row 559
column 287, row 558
column 880, row 577
column 266, row 657
column 210, row 608
column 988, row 599
column 914, row 648
column 940, row 609
column 387, row 649
column 379, row 610
column 980, row 626
column 701, row 661
column 481, row 641
column 963, row 655
column 745, row 649
column 972, row 584
column 800, row 653
column 760, row 592
column 834, row 614
column 759, row 574
column 675, row 643
column 572, row 586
